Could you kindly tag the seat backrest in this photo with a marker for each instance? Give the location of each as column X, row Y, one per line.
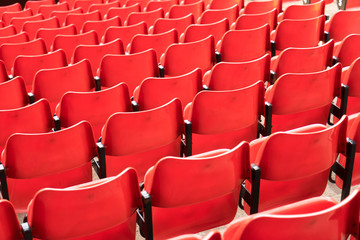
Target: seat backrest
column 351, row 79
column 18, row 22
column 7, row 16
column 213, row 235
column 9, row 51
column 9, row 224
column 245, row 45
column 306, row 97
column 53, row 83
column 103, row 7
column 180, row 24
column 27, row 66
column 95, row 53
column 62, row 14
column 117, row 200
column 147, row 17
column 85, row 4
column 196, row 32
column 3, row 74
column 95, row 107
column 236, row 75
column 68, row 43
column 49, row 34
column 154, row 92
column 46, row 10
column 131, row 69
column 15, row 7
column 122, row 12
column 16, row 38
column 164, row 5
column 215, row 15
column 100, row 26
column 304, row 11
column 158, row 42
column 13, row 94
column 302, row 60
column 178, row 11
column 142, row 3
column 349, row 50
column 125, row 33
column 222, row 4
column 7, row 31
column 308, row 219
column 78, row 19
column 249, row 21
column 183, row 58
column 341, row 24
column 34, row 5
column 31, row 27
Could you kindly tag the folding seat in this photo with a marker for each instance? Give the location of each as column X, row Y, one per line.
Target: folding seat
column 131, row 69
column 68, row 43
column 222, row 4
column 298, row 33
column 196, row 32
column 263, row 6
column 165, row 24
column 215, row 15
column 341, row 25
column 15, row 7
column 300, row 99
column 142, row 3
column 78, row 19
column 314, row 218
column 250, row 21
column 125, row 33
column 9, row 51
column 33, row 118
column 57, row 159
column 348, row 5
column 348, row 50
column 95, row 53
column 103, row 7
column 215, row 127
column 21, row 37
column 140, row 139
column 34, row 5
column 13, row 94
column 7, row 16
column 122, row 12
column 207, row 193
column 178, row 11
column 18, row 22
column 27, row 66
column 154, row 92
column 85, row 4
column 61, row 15
column 114, row 200
column 49, row 34
column 236, row 75
column 31, row 27
column 305, row 11
column 350, row 78
column 9, row 224
column 185, row 57
column 213, row 235
column 46, row 10
column 100, row 26
column 147, row 17
column 164, row 5
column 7, row 31
column 302, row 60
column 53, row 83
column 158, row 42
column 244, row 45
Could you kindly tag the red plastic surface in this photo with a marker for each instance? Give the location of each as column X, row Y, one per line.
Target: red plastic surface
column 305, row 11
column 178, row 11
column 122, row 12
column 16, row 7
column 13, row 94
column 18, row 22
column 7, row 16
column 85, row 4
column 249, row 21
column 62, row 15
column 7, row 31
column 348, row 50
column 215, row 15
column 147, row 17
column 49, row 34
column 78, row 19
column 263, row 6
column 34, row 5
column 164, row 5
column 103, row 7
column 213, row 235
column 31, row 27
column 125, row 33
column 100, row 26
column 15, row 38
column 46, row 10
column 222, row 4
column 180, row 24
column 9, row 224
column 341, row 24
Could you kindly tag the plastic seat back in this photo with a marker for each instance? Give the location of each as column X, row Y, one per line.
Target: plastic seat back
column 85, row 4
column 164, row 5
column 305, row 11
column 341, row 24
column 225, row 170
column 117, row 200
column 215, row 15
column 254, row 7
column 131, row 69
column 62, row 15
column 95, row 53
column 154, row 92
column 34, row 5
column 236, row 75
column 13, row 94
column 125, row 33
column 15, row 7
column 46, row 10
column 7, row 16
column 158, row 42
column 196, row 32
column 95, row 107
column 7, row 31
column 250, row 21
column 49, row 34
column 213, row 235
column 9, row 51
column 348, row 5
column 55, row 159
column 183, row 58
column 351, row 79
column 16, row 38
column 103, row 7
column 68, row 43
column 27, row 66
column 142, row 3
column 9, row 224
column 3, row 74
column 348, row 50
column 147, row 17
column 31, row 27
column 122, row 12
column 178, row 11
column 222, row 4
column 140, row 139
column 307, row 219
column 78, row 19
column 180, row 24
column 245, row 45
column 53, row 83
column 306, row 97
column 100, row 26
column 18, row 22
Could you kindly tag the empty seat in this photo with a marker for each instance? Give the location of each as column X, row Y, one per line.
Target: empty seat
column 103, row 7
column 46, row 10
column 125, row 33
column 165, row 24
column 222, row 4
column 3, row 74
column 21, row 37
column 154, row 92
column 78, row 19
column 100, row 26
column 31, row 27
column 85, row 4
column 122, row 12
column 147, row 17
column 213, row 235
column 13, row 94
column 249, row 21
column 15, row 7
column 62, row 15
column 140, row 139
column 348, row 5
column 7, row 31
column 178, row 11
column 57, row 159
column 18, row 22
column 215, row 15
column 7, row 16
column 142, row 3
column 305, row 11
column 49, row 34
column 114, row 200
column 9, row 224
column 34, row 5
column 348, row 50
column 350, row 78
column 53, row 83
column 164, row 5
column 131, row 69
column 263, row 6
column 27, row 66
